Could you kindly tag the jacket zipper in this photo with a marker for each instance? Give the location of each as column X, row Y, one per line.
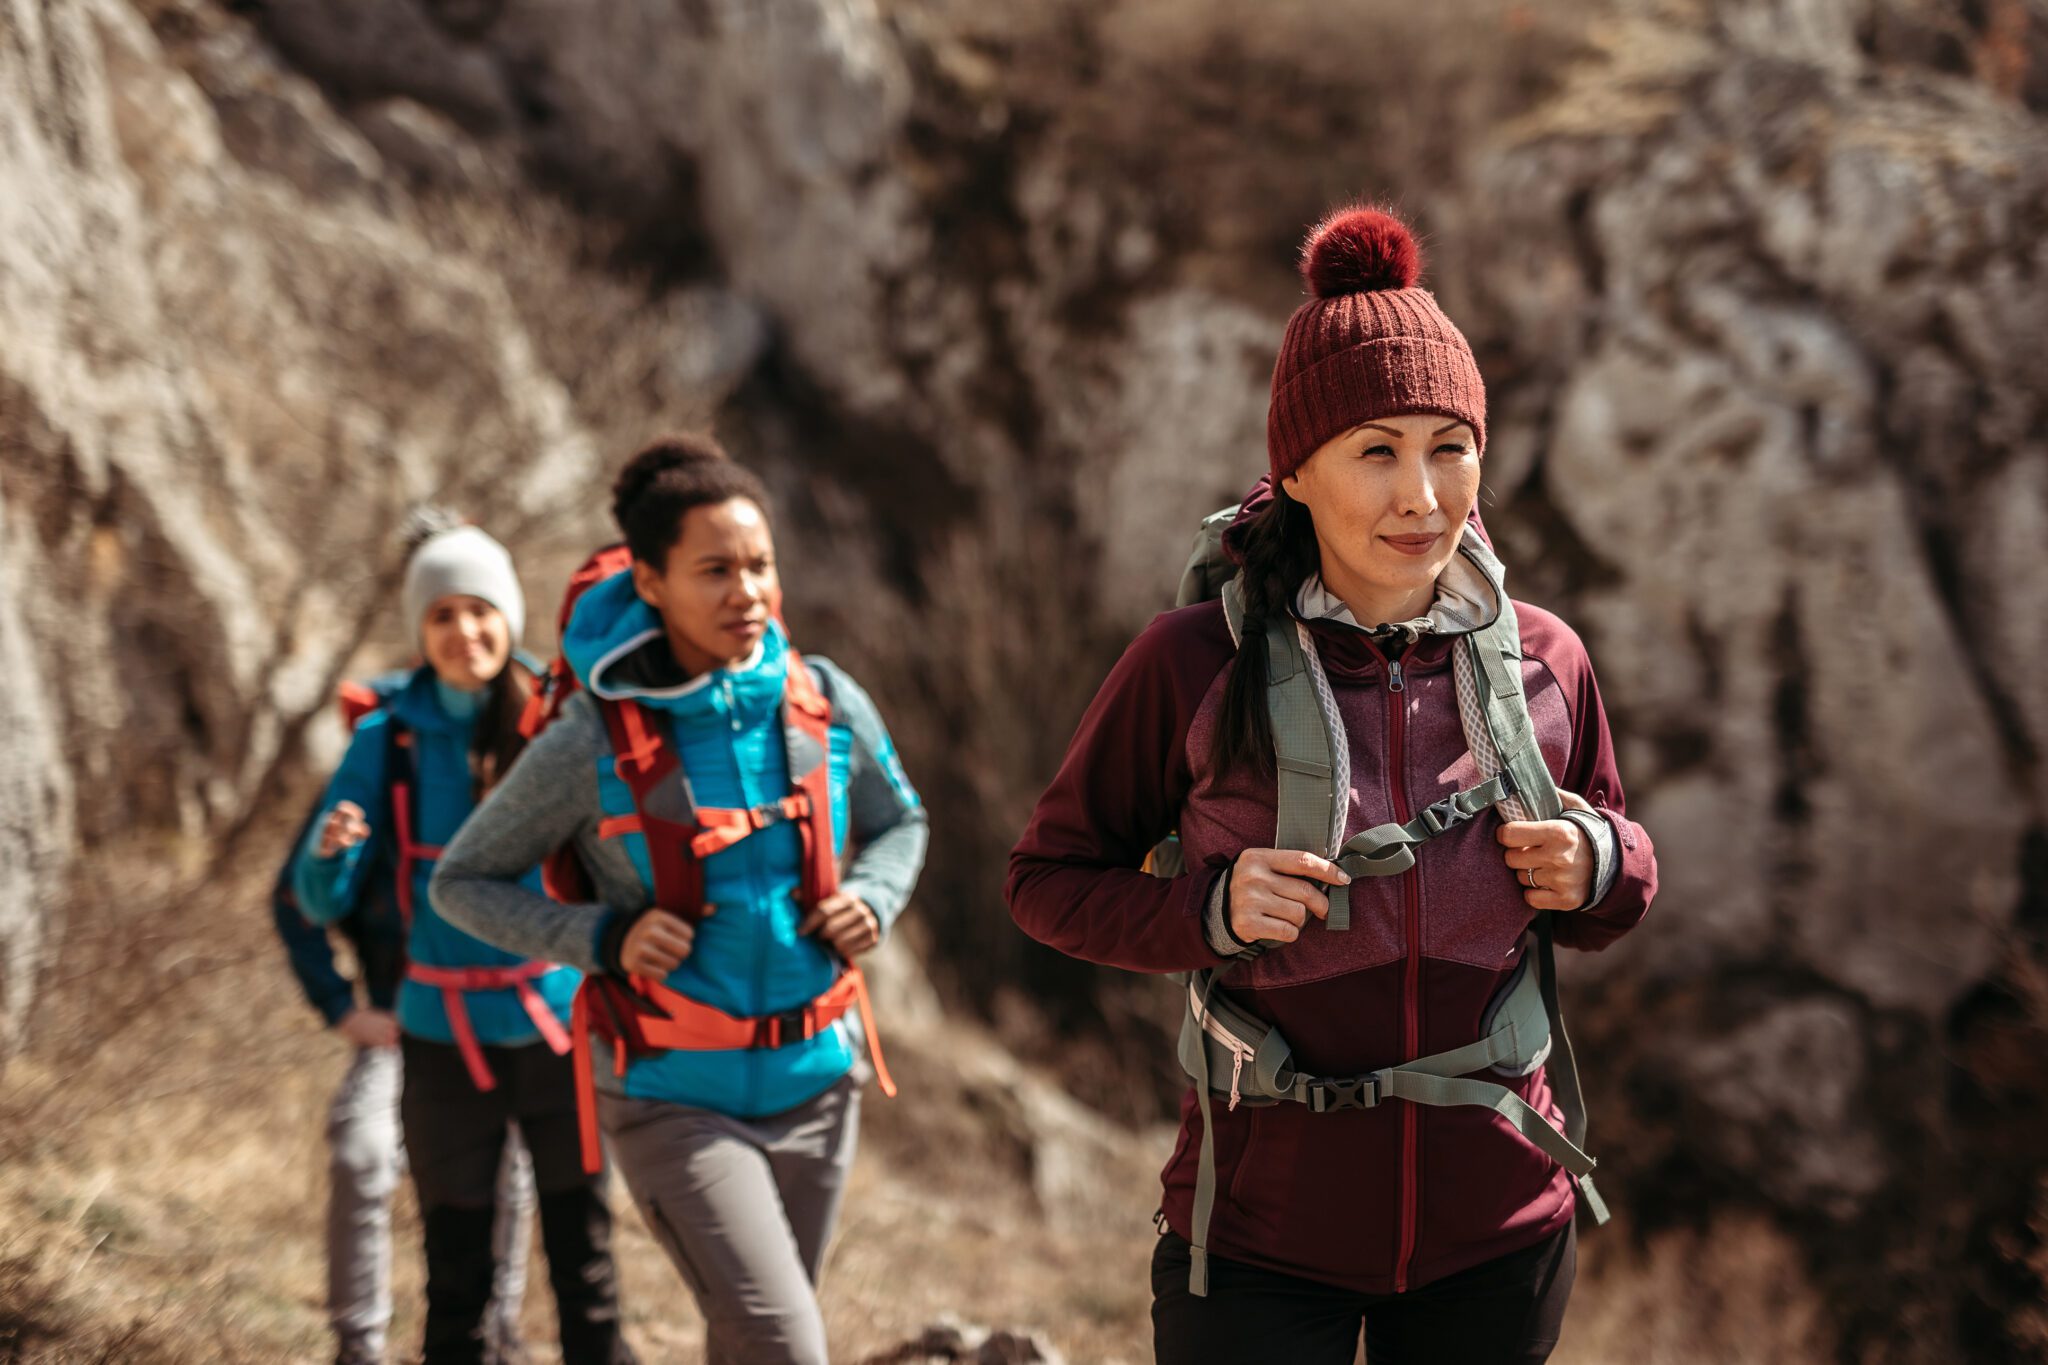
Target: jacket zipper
column 747, row 849
column 1411, row 992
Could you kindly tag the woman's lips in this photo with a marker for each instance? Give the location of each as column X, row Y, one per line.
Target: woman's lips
column 1413, row 545
column 746, row 627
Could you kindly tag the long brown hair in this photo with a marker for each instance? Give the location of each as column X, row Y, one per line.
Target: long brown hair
column 1279, row 552
column 498, row 741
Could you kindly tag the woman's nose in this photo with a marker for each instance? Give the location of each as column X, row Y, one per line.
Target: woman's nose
column 1415, row 494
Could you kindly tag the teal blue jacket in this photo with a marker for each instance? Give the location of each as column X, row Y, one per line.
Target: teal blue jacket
column 440, row 722
column 748, row 958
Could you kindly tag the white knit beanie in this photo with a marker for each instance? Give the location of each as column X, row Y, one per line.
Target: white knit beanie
column 464, row 561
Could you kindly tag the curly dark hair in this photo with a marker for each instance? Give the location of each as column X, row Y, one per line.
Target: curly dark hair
column 671, row 475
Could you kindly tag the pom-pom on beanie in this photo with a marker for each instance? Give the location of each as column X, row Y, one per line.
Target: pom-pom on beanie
column 1367, row 343
column 463, row 560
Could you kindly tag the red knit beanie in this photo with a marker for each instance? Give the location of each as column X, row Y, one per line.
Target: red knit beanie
column 1367, row 344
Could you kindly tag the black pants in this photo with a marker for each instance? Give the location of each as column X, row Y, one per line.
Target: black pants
column 453, row 1134
column 1505, row 1312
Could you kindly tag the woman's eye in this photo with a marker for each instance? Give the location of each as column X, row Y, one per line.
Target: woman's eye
column 1452, row 448
column 1381, row 449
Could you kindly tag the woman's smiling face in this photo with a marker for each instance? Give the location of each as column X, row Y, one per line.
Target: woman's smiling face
column 466, row 639
column 1389, row 498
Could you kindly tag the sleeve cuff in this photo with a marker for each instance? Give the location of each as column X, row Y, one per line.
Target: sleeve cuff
column 1606, row 857
column 609, row 939
column 1222, row 939
column 876, row 899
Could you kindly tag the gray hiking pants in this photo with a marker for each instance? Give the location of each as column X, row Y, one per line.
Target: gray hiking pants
column 744, row 1208
column 366, row 1158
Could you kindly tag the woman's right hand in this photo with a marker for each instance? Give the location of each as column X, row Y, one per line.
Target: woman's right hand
column 345, row 828
column 369, row 1028
column 1273, row 891
column 656, row 944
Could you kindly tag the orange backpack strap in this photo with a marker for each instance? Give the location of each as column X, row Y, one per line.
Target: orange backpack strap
column 645, row 760
column 407, row 851
column 807, row 726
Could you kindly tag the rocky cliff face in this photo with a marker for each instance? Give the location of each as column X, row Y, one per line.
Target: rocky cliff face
column 991, row 296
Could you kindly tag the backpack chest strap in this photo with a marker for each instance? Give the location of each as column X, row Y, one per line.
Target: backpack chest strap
column 1389, row 850
column 645, row 759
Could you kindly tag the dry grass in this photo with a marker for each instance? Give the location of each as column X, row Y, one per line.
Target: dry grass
column 162, row 1173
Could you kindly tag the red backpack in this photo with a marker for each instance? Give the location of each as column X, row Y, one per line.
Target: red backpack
column 640, row 1016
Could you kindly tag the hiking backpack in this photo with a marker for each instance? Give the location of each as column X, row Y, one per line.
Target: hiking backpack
column 1524, row 1026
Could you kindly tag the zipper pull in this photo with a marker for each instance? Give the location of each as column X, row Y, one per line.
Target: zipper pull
column 732, row 706
column 1395, row 682
column 1236, row 1072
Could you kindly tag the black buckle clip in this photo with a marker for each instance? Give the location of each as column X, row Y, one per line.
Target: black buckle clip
column 779, row 1030
column 1343, row 1092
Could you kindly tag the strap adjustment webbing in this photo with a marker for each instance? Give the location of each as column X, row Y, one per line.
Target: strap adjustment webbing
column 1389, row 850
column 724, row 828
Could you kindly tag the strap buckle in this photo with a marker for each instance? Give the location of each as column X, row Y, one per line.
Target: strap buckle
column 1343, row 1092
column 790, row 1026
column 775, row 812
column 1439, row 816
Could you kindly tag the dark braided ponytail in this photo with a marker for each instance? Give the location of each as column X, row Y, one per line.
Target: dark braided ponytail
column 1279, row 553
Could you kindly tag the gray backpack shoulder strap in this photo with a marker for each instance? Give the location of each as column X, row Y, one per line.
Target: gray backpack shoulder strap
column 1304, row 755
column 1496, row 650
column 1303, row 747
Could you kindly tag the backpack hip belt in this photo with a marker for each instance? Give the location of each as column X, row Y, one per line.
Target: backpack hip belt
column 639, row 1017
column 455, row 982
column 1217, row 1039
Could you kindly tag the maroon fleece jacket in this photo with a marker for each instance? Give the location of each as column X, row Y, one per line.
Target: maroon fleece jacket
column 1378, row 1200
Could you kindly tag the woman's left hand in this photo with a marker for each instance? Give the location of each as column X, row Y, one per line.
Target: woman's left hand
column 1552, row 859
column 846, row 922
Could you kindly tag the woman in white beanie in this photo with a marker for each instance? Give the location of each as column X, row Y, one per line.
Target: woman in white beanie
column 485, row 1037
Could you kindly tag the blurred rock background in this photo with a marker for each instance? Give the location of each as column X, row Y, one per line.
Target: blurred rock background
column 990, row 294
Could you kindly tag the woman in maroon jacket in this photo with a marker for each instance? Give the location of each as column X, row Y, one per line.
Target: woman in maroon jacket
column 1441, row 1231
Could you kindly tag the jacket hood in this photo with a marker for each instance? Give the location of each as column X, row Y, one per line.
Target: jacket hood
column 618, row 649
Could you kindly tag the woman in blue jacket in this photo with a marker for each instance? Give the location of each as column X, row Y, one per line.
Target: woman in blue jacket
column 484, row 1031
column 710, row 782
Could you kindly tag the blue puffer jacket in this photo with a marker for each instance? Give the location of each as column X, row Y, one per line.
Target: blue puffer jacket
column 748, row 958
column 440, row 721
